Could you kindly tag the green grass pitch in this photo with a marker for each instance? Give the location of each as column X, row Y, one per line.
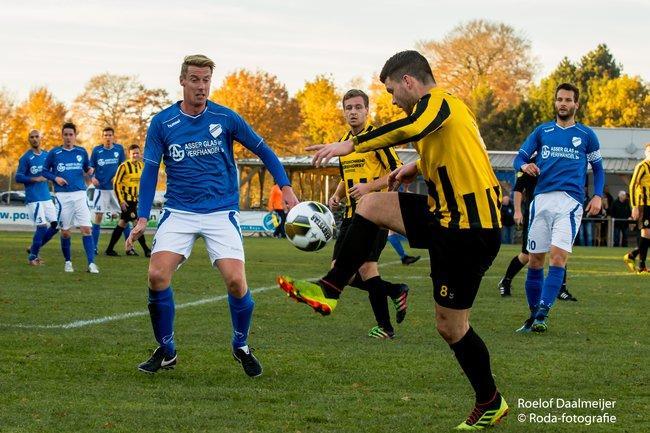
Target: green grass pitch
column 321, row 374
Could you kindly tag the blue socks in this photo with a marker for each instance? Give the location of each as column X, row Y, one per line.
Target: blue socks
column 396, row 241
column 37, row 241
column 49, row 234
column 127, row 231
column 89, row 247
column 552, row 285
column 96, row 231
column 65, row 248
column 534, row 282
column 162, row 310
column 241, row 313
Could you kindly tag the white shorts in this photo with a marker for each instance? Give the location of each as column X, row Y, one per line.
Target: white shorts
column 554, row 220
column 177, row 232
column 74, row 210
column 42, row 212
column 105, row 201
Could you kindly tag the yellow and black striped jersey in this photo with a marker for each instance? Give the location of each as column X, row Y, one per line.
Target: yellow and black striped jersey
column 463, row 189
column 127, row 181
column 640, row 185
column 365, row 167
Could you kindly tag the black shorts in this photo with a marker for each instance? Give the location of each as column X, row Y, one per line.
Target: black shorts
column 131, row 212
column 377, row 246
column 644, row 221
column 459, row 258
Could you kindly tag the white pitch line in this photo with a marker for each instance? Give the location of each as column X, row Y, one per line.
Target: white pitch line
column 123, row 316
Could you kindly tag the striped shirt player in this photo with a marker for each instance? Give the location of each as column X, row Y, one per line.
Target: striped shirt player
column 362, row 174
column 365, row 167
column 458, row 220
column 66, row 166
column 640, row 202
column 194, row 138
column 104, row 159
column 564, row 150
column 126, row 187
column 38, row 199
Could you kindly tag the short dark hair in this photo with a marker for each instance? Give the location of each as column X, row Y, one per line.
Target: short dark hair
column 134, row 146
column 353, row 93
column 69, row 125
column 569, row 88
column 108, row 128
column 408, row 62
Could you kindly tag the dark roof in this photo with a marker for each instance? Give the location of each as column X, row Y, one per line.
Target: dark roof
column 501, row 160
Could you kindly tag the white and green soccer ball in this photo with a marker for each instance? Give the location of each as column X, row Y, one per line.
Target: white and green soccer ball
column 310, row 225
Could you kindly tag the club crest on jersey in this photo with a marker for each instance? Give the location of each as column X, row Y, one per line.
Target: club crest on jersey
column 215, row 129
column 115, row 154
column 176, row 152
column 79, row 158
column 546, row 152
column 576, row 141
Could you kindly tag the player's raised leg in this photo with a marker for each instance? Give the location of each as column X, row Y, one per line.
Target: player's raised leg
column 374, row 210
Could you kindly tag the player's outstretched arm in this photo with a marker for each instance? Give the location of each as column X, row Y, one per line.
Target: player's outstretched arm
column 325, row 152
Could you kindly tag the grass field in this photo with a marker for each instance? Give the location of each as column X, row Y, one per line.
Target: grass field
column 61, row 372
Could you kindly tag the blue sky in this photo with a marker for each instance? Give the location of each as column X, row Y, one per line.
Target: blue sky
column 63, row 43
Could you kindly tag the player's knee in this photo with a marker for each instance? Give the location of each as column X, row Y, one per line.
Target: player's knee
column 236, row 285
column 368, row 270
column 523, row 258
column 445, row 330
column 536, row 261
column 365, row 205
column 450, row 328
column 158, row 278
column 65, row 233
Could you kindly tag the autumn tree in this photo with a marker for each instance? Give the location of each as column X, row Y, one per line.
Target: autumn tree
column 486, row 53
column 619, row 102
column 39, row 111
column 6, row 112
column 263, row 101
column 320, row 108
column 381, row 104
column 118, row 101
column 140, row 108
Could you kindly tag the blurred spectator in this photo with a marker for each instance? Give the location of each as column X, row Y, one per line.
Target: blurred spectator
column 621, row 211
column 507, row 220
column 608, row 199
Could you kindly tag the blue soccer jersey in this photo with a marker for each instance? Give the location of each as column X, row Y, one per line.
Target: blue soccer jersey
column 31, row 165
column 199, row 157
column 562, row 157
column 105, row 162
column 70, row 164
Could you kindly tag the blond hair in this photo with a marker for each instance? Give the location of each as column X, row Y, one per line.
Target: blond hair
column 198, row 60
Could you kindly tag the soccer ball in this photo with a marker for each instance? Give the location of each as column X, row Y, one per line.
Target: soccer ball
column 309, row 226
